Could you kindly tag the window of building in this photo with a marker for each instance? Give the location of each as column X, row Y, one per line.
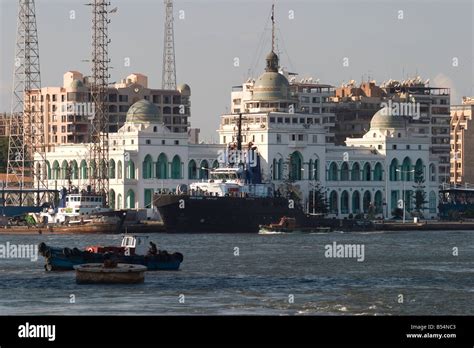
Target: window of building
column 315, row 139
column 408, row 147
column 280, row 119
column 148, row 142
column 272, row 119
column 123, row 98
column 278, row 138
column 163, row 142
column 394, row 147
column 176, row 142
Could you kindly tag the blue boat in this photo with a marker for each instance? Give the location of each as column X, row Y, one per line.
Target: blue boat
column 132, row 251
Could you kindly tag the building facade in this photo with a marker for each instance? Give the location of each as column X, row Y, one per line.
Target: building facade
column 376, row 174
column 67, row 110
column 462, row 140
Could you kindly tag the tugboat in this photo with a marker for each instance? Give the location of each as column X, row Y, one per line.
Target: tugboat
column 232, row 200
column 133, row 250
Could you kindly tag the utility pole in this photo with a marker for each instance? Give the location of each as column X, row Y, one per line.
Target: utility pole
column 99, row 133
column 169, row 63
column 26, row 120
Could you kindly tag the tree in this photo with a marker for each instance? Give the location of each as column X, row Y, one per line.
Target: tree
column 419, row 198
column 320, row 203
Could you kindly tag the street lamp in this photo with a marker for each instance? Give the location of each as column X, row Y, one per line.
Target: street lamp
column 403, row 191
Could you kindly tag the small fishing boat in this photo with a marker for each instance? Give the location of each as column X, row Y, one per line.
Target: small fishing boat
column 286, row 224
column 133, row 250
column 289, row 225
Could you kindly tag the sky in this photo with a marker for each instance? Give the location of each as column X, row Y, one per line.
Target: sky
column 380, row 39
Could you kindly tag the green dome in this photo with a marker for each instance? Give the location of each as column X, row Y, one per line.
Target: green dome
column 75, row 84
column 143, row 112
column 384, row 120
column 271, row 86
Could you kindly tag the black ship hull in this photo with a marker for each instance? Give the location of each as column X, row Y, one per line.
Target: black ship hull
column 207, row 214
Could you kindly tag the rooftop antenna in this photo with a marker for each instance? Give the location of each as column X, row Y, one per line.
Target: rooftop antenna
column 169, row 63
column 273, row 27
column 26, row 120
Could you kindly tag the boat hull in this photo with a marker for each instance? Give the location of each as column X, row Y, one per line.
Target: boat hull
column 208, row 214
column 64, row 259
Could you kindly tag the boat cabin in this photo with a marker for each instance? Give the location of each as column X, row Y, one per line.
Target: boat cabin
column 138, row 243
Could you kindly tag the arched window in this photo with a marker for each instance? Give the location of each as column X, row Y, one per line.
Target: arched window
column 332, row 174
column 356, row 202
column 112, row 199
column 112, row 170
column 316, row 169
column 378, row 202
column 130, row 201
column 48, row 170
column 119, row 201
column 432, row 172
column 215, row 164
column 344, row 173
column 119, row 170
column 84, row 170
column 56, row 170
column 333, row 202
column 130, row 170
column 74, row 170
column 344, row 202
column 274, row 169
column 64, row 170
column 147, row 167
column 378, row 176
column 162, row 167
column 296, row 164
column 92, row 169
column 204, row 170
column 176, row 168
column 393, row 170
column 366, row 173
column 406, row 167
column 192, row 170
column 432, row 202
column 419, row 171
column 280, row 169
column 366, row 201
column 355, row 174
column 103, row 169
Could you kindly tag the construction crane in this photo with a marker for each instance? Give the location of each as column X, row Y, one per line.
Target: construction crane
column 169, row 64
column 26, row 167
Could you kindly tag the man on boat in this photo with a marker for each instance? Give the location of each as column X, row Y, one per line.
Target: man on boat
column 153, row 249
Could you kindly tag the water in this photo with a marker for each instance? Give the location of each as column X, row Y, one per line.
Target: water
column 269, row 270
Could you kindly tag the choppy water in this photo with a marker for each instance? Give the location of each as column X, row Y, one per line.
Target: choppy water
column 261, row 280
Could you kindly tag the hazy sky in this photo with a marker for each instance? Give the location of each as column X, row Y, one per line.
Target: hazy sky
column 313, row 38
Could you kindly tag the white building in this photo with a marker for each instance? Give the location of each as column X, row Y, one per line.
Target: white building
column 373, row 171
